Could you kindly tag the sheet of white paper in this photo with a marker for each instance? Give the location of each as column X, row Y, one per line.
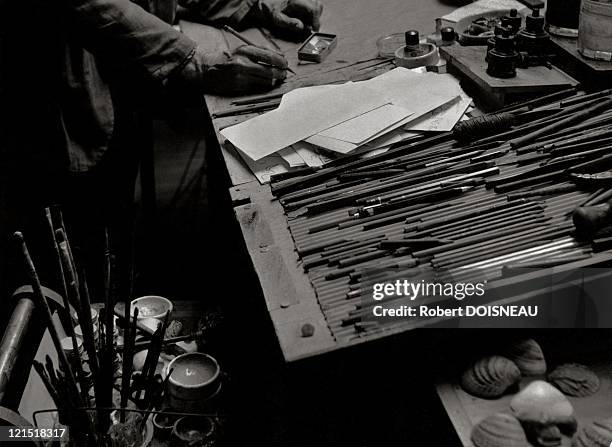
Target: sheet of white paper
column 344, row 147
column 310, row 154
column 481, row 7
column 363, row 127
column 265, row 167
column 291, row 157
column 418, row 92
column 443, row 119
column 302, row 114
column 332, row 144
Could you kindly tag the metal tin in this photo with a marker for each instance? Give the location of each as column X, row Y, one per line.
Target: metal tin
column 317, row 47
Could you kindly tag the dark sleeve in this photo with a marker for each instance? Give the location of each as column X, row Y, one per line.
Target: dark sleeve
column 123, row 31
column 223, row 11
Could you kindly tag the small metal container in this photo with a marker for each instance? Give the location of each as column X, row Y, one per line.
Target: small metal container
column 317, row 47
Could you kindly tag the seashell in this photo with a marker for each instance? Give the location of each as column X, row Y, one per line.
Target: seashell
column 499, row 430
column 544, row 412
column 541, row 402
column 490, row 377
column 574, row 380
column 528, row 356
column 597, row 434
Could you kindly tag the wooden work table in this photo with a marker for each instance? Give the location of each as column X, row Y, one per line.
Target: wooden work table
column 290, row 298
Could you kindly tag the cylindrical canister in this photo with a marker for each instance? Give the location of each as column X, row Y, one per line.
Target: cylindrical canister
column 595, row 29
column 562, row 17
column 195, row 380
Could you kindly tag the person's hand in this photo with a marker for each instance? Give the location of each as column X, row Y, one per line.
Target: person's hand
column 248, row 69
column 295, row 18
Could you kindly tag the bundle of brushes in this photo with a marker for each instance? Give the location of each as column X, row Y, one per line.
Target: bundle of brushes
column 86, row 384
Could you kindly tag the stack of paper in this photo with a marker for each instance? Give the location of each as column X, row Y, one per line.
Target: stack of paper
column 315, row 123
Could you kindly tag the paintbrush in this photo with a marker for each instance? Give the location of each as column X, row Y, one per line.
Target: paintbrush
column 151, row 402
column 80, row 374
column 129, row 335
column 43, row 306
column 155, row 349
column 241, row 110
column 108, row 353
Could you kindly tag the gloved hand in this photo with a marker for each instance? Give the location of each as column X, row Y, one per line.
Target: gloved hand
column 295, row 18
column 247, row 69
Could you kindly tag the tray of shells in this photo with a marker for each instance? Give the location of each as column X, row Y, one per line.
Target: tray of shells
column 514, row 398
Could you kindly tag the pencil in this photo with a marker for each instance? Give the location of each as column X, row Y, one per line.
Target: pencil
column 236, row 34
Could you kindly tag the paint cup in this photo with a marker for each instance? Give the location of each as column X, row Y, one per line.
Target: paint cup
column 163, row 424
column 152, row 306
column 190, row 430
column 194, row 381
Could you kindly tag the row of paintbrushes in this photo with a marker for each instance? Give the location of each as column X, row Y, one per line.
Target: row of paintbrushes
column 496, row 193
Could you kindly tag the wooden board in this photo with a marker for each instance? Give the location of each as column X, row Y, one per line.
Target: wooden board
column 290, row 299
column 465, row 410
column 469, row 63
column 358, row 24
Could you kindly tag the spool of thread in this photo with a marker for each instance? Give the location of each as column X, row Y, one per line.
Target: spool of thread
column 595, row 30
column 416, row 53
column 483, row 126
column 503, row 58
column 513, row 21
column 449, row 37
